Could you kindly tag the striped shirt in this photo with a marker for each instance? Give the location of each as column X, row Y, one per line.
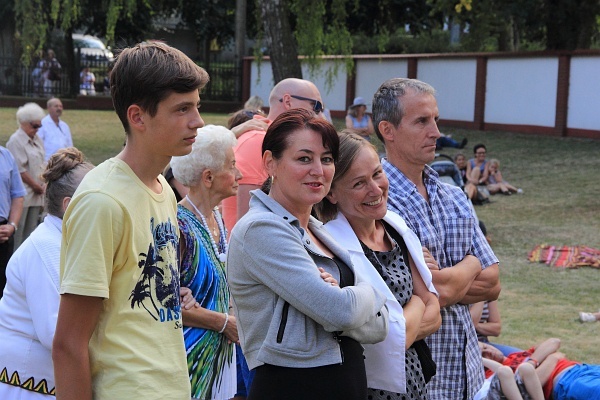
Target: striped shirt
column 447, row 227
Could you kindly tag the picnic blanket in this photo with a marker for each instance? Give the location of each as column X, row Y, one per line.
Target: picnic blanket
column 565, row 256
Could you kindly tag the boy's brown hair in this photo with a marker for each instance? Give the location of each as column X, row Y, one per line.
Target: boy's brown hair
column 148, row 73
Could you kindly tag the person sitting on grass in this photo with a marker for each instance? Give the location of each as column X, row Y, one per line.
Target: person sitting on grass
column 469, row 188
column 561, row 378
column 495, row 181
column 487, row 322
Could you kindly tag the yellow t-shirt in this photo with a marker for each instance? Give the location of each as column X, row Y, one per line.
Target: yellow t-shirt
column 120, row 243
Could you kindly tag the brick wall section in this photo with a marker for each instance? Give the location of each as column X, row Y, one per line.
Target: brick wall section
column 562, row 94
column 480, row 87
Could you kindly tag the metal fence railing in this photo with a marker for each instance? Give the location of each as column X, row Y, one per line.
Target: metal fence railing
column 223, row 84
column 17, row 79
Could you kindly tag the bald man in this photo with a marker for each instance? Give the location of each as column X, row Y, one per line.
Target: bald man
column 288, row 94
column 54, row 132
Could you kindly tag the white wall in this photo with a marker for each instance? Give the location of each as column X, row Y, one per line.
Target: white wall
column 584, row 93
column 454, row 82
column 333, row 95
column 521, row 91
column 261, row 80
column 370, row 74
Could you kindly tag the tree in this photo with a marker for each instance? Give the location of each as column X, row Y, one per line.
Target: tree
column 571, row 24
column 554, row 24
column 212, row 21
column 311, row 28
column 492, row 24
column 280, row 40
column 37, row 18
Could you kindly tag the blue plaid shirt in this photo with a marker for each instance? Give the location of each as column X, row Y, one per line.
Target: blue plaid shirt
column 447, row 227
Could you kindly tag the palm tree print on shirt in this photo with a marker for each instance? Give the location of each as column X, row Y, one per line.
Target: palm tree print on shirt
column 157, row 289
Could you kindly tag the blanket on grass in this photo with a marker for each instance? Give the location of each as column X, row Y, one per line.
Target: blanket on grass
column 565, row 256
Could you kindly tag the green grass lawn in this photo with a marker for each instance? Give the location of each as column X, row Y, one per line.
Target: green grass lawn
column 561, row 205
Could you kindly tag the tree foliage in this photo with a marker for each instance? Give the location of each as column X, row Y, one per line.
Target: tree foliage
column 505, row 25
column 319, row 27
column 37, row 18
column 311, row 28
column 571, row 24
column 125, row 21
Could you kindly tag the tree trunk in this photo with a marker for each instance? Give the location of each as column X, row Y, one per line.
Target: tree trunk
column 240, row 43
column 73, row 66
column 282, row 45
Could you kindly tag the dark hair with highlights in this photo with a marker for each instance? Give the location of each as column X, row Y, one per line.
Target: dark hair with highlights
column 148, row 73
column 291, row 121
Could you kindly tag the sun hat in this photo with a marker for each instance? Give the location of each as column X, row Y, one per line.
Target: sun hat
column 358, row 101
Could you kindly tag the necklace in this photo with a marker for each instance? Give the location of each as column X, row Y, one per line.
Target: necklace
column 221, row 249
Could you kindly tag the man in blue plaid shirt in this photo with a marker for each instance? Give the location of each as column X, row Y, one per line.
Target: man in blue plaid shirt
column 405, row 116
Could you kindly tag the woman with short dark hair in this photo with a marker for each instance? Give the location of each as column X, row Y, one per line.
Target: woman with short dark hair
column 296, row 296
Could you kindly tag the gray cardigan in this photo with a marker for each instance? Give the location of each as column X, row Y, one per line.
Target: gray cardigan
column 272, row 261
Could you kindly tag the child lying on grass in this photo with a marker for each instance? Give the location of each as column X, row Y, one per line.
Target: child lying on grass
column 502, row 383
column 561, row 378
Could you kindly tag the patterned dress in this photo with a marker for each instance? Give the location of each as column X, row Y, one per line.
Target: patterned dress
column 211, row 360
column 397, row 275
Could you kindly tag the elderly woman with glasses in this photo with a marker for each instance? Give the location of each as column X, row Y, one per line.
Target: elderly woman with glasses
column 27, row 149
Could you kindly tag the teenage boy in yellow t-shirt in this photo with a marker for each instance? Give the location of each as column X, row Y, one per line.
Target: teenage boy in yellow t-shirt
column 119, row 332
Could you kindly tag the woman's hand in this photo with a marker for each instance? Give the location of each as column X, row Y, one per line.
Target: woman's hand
column 230, row 331
column 327, row 277
column 187, row 298
column 429, row 260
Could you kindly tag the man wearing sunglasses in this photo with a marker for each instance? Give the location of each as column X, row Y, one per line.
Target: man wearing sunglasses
column 28, row 151
column 286, row 95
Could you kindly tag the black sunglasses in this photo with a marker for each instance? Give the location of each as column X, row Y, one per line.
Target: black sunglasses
column 250, row 114
column 35, row 126
column 317, row 105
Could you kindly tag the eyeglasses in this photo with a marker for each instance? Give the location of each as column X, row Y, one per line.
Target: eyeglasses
column 317, row 105
column 35, row 126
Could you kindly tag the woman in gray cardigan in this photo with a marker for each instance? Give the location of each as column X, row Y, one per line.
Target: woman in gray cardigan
column 294, row 320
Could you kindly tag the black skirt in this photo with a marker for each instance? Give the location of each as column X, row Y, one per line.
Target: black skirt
column 345, row 381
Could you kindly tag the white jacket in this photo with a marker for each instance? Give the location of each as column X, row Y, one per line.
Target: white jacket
column 384, row 361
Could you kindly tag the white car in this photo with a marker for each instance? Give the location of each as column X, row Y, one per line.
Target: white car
column 92, row 48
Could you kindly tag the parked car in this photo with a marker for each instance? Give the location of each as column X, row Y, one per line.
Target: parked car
column 92, row 48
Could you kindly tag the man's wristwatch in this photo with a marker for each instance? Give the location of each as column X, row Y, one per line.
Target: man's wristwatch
column 14, row 226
